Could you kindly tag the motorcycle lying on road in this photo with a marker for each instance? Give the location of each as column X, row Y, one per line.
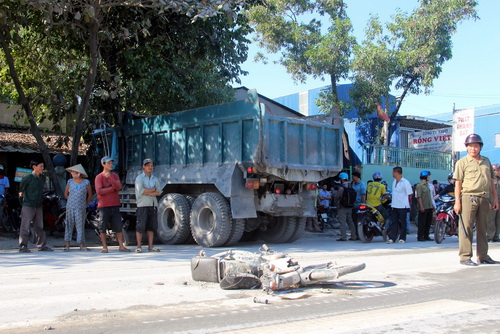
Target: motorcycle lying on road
column 447, row 220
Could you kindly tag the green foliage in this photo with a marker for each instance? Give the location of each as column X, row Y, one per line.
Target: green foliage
column 168, row 63
column 408, row 53
column 305, row 49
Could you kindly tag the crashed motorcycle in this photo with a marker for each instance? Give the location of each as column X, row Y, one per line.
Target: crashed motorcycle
column 447, row 220
column 270, row 270
column 371, row 223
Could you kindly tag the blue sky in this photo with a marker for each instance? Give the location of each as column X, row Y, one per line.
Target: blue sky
column 470, row 79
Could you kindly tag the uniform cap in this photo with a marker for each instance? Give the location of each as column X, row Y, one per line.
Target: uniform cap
column 473, row 138
column 147, row 161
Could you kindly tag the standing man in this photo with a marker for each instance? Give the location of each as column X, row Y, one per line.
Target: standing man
column 107, row 185
column 360, row 188
column 474, row 187
column 425, row 206
column 4, row 182
column 31, row 192
column 345, row 211
column 401, row 199
column 494, row 223
column 4, row 186
column 147, row 187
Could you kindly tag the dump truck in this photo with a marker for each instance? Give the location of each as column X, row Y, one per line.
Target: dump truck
column 232, row 168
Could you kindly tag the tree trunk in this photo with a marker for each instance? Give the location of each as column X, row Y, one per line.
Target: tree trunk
column 339, row 120
column 31, row 119
column 83, row 108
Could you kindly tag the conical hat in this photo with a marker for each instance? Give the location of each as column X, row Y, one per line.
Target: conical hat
column 79, row 169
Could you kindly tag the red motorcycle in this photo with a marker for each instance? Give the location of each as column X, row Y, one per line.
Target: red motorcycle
column 447, row 219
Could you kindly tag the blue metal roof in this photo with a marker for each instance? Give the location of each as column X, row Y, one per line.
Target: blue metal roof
column 292, row 101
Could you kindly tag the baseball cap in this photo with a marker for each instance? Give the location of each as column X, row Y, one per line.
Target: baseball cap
column 147, row 161
column 106, row 159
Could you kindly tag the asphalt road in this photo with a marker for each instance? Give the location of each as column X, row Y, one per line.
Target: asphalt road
column 415, row 287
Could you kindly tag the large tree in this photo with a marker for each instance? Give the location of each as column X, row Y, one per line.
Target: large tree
column 306, row 48
column 406, row 54
column 67, row 36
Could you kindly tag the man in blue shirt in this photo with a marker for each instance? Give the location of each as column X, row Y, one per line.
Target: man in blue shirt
column 360, row 188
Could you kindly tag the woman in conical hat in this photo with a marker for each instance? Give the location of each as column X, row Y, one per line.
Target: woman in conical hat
column 78, row 192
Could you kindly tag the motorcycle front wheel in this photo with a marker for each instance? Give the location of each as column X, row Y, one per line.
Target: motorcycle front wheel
column 439, row 230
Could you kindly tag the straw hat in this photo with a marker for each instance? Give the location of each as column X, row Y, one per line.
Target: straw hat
column 79, row 169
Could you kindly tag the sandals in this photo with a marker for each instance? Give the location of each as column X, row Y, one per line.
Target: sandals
column 138, row 250
column 124, row 250
column 104, row 250
column 84, row 249
column 66, row 249
column 153, row 249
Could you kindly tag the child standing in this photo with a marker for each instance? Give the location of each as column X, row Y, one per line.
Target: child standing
column 78, row 192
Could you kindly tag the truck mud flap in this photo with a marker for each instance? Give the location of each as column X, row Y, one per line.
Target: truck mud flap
column 205, row 269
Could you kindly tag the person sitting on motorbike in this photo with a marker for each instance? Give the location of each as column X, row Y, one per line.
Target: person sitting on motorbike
column 374, row 192
column 450, row 188
column 324, row 196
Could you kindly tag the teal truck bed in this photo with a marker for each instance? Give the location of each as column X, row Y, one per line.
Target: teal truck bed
column 258, row 170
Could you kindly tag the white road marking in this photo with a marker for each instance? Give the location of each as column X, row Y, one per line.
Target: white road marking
column 368, row 319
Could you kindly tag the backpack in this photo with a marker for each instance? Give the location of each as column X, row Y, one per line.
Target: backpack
column 348, row 197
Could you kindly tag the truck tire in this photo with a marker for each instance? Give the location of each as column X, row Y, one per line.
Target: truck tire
column 237, row 230
column 300, row 225
column 279, row 229
column 173, row 219
column 211, row 220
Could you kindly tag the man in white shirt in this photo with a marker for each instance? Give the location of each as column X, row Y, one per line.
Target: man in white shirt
column 147, row 188
column 401, row 199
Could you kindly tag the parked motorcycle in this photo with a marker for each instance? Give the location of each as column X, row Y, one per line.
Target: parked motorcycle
column 93, row 221
column 370, row 223
column 447, row 219
column 53, row 212
column 10, row 211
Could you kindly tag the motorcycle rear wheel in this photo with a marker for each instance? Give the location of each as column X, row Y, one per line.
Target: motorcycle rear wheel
column 439, row 230
column 365, row 233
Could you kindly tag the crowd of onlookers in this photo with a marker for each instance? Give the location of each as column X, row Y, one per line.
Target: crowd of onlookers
column 475, row 184
column 78, row 193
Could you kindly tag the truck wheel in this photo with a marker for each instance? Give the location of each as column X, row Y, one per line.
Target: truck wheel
column 300, row 225
column 173, row 219
column 211, row 220
column 237, row 230
column 279, row 229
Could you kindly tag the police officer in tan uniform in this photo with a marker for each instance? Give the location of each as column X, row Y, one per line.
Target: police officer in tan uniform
column 473, row 189
column 494, row 222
